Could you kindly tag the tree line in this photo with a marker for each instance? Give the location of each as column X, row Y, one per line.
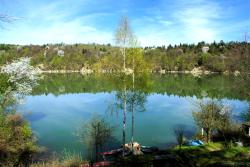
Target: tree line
column 220, row 57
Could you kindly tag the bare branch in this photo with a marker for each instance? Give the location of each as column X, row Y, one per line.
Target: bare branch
column 6, row 18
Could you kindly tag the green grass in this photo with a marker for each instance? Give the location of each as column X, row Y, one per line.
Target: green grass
column 67, row 159
column 214, row 154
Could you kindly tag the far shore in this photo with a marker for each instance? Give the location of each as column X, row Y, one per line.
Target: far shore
column 195, row 73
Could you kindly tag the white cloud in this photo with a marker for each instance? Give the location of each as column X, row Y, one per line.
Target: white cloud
column 69, row 32
column 52, row 24
column 189, row 22
column 87, row 21
column 199, row 20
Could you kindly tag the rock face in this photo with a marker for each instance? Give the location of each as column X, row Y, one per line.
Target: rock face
column 197, row 71
column 236, row 73
column 205, row 49
column 128, row 71
column 86, row 71
column 60, row 53
column 162, row 71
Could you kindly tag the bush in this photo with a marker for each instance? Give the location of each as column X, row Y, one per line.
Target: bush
column 71, row 159
column 17, row 143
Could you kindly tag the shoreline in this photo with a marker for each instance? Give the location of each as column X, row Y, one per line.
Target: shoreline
column 195, row 73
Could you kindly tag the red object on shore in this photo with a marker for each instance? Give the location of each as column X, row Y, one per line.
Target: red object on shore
column 85, row 165
column 97, row 164
column 101, row 164
column 108, row 152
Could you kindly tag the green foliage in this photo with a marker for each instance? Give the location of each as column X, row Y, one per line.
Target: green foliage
column 95, row 134
column 221, row 57
column 108, row 63
column 179, row 134
column 70, row 159
column 136, row 61
column 5, row 47
column 4, row 83
column 215, row 86
column 210, row 116
column 57, row 62
column 66, row 159
column 16, row 140
column 213, row 154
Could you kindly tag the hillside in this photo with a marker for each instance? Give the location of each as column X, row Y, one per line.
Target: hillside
column 216, row 57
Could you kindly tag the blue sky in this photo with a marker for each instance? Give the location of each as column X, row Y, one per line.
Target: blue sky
column 155, row 22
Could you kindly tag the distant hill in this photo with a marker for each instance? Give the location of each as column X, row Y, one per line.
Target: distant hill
column 218, row 57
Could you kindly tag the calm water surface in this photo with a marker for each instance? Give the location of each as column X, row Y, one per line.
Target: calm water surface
column 63, row 102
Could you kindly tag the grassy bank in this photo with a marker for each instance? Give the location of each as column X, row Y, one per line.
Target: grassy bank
column 208, row 155
column 214, row 154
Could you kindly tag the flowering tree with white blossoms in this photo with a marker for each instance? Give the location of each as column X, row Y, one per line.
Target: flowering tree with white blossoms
column 22, row 75
column 16, row 138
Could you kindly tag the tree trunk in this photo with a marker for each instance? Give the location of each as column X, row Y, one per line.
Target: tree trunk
column 124, row 117
column 133, row 101
column 124, row 59
column 208, row 132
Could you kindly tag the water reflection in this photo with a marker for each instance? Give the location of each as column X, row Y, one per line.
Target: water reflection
column 155, row 105
column 130, row 100
column 36, row 116
column 214, row 86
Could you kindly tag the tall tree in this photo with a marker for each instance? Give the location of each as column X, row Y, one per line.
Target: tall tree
column 124, row 37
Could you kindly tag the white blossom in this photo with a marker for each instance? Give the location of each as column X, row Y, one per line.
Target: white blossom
column 23, row 76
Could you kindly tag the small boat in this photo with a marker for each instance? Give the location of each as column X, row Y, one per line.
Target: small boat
column 194, row 143
column 111, row 155
column 112, row 152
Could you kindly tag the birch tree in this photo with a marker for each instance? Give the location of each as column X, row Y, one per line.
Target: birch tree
column 124, row 36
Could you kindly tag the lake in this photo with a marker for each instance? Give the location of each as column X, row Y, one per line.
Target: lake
column 62, row 103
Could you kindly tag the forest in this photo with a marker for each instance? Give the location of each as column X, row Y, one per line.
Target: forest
column 219, row 57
